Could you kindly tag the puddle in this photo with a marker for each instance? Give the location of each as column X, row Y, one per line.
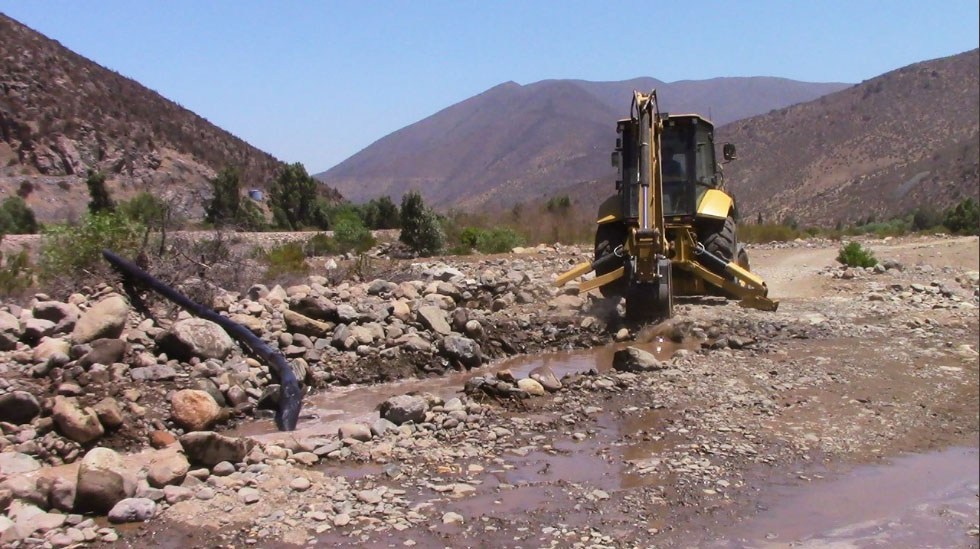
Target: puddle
column 926, row 500
column 325, row 411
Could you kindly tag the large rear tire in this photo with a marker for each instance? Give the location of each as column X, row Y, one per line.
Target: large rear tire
column 608, row 237
column 722, row 242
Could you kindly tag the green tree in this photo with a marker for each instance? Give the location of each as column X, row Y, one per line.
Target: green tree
column 964, row 218
column 228, row 207
column 293, row 198
column 101, row 201
column 421, row 230
column 381, row 213
column 16, row 217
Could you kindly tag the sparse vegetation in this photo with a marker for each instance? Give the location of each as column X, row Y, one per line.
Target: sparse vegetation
column 16, row 274
column 853, row 254
column 288, row 259
column 72, row 254
column 490, row 241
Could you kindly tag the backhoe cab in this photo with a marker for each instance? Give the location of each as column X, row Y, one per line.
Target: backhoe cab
column 670, row 228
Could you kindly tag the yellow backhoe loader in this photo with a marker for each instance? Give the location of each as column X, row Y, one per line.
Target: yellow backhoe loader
column 670, row 228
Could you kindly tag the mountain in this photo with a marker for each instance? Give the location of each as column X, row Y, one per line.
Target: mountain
column 515, row 143
column 903, row 140
column 62, row 114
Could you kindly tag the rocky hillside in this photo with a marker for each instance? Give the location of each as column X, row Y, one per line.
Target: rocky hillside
column 905, row 139
column 516, row 143
column 62, row 114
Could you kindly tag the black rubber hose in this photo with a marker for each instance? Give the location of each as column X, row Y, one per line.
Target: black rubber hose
column 290, row 392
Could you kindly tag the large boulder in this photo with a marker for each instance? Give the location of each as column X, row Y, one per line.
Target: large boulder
column 77, row 423
column 103, row 481
column 107, row 318
column 194, row 410
column 167, row 470
column 434, row 318
column 48, row 347
column 132, row 510
column 19, row 407
column 633, row 359
column 104, row 351
column 209, row 448
column 64, row 315
column 195, row 337
column 10, row 331
column 404, row 408
column 315, row 307
column 302, row 324
column 462, row 349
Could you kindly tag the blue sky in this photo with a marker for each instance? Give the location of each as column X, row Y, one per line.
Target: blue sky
column 316, row 81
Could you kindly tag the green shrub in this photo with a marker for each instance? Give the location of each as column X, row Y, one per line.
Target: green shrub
column 16, row 217
column 497, row 240
column 351, row 235
column 15, row 274
column 70, row 252
column 285, row 260
column 964, row 218
column 853, row 254
column 321, row 244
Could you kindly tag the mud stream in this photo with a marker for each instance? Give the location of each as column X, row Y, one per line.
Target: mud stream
column 913, row 501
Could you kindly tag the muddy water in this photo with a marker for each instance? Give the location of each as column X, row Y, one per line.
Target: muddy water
column 926, row 500
column 324, row 412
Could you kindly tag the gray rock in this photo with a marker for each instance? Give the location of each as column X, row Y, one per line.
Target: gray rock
column 462, row 349
column 209, row 448
column 19, row 407
column 434, row 319
column 10, row 331
column 109, row 413
column 103, row 481
column 632, row 359
column 36, row 328
column 195, row 337
column 356, row 431
column 223, row 469
column 315, row 307
column 132, row 510
column 61, row 493
column 64, row 315
column 176, row 494
column 159, row 372
column 13, row 463
column 104, row 351
column 382, row 426
column 404, row 408
column 302, row 324
column 347, row 313
column 249, row 495
column 79, row 424
column 167, row 470
column 107, row 318
column 547, row 378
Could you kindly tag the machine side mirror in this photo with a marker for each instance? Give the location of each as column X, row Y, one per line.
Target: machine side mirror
column 728, row 152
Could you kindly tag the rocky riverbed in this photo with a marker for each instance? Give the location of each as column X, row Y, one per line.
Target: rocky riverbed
column 131, row 430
